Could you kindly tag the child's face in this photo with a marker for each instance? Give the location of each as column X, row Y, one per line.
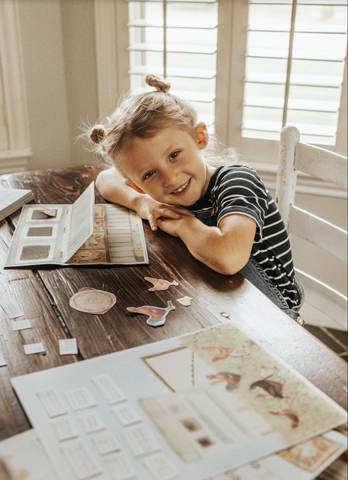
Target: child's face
column 169, row 167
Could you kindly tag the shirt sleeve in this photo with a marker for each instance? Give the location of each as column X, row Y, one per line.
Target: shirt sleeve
column 240, row 190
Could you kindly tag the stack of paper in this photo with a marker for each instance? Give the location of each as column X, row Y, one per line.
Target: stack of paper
column 11, row 199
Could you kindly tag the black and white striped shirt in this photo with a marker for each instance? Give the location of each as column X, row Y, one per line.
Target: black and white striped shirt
column 238, row 189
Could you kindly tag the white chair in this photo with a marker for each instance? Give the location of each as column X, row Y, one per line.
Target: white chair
column 320, row 299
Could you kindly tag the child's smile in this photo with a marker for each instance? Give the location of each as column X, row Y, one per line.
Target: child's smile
column 169, row 167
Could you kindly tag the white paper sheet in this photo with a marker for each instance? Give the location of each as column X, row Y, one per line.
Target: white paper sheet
column 186, row 411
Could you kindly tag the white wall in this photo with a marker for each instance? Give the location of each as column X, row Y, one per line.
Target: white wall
column 60, row 74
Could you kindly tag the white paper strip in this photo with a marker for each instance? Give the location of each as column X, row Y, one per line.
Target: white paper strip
column 32, row 348
column 80, row 398
column 106, row 443
column 68, row 346
column 2, row 360
column 51, row 402
column 81, row 460
column 126, row 414
column 11, row 309
column 65, row 429
column 108, row 389
column 160, row 468
column 92, row 422
column 120, row 467
column 21, row 324
column 141, row 440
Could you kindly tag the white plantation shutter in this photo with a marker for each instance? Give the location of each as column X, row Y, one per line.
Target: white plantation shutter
column 177, row 41
column 248, row 66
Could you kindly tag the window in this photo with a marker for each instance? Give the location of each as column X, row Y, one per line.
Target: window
column 249, row 67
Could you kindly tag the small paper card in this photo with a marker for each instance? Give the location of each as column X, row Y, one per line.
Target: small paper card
column 68, row 346
column 108, row 389
column 32, row 348
column 160, row 468
column 65, row 429
column 126, row 414
column 80, row 398
column 141, row 440
column 21, row 325
column 11, row 309
column 120, row 467
column 106, row 443
column 2, row 360
column 51, row 402
column 81, row 460
column 92, row 422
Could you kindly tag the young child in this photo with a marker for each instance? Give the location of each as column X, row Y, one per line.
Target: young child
column 225, row 216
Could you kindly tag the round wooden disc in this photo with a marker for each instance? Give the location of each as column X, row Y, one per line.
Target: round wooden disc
column 90, row 300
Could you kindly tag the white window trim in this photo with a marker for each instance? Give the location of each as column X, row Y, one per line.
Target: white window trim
column 113, row 81
column 16, row 113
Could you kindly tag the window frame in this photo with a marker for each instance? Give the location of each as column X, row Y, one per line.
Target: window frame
column 113, row 80
column 15, row 157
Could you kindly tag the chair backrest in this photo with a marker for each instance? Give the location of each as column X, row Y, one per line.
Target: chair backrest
column 332, row 168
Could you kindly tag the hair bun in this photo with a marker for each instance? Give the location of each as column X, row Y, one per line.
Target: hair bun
column 160, row 85
column 97, row 134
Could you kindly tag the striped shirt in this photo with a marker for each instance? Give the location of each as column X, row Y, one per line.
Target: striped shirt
column 238, row 189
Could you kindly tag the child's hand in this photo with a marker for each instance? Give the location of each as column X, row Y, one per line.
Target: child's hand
column 152, row 211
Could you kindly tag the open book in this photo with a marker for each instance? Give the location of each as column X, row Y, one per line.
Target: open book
column 81, row 233
column 13, row 198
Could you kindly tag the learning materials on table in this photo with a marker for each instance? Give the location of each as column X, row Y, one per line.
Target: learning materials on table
column 187, row 407
column 78, row 234
column 11, row 199
column 26, row 459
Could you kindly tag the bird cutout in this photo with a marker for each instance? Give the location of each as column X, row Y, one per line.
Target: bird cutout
column 267, row 371
column 220, row 352
column 240, row 352
column 232, row 379
column 91, row 300
column 186, row 301
column 291, row 414
column 157, row 315
column 160, row 284
column 273, row 388
column 225, row 314
column 48, row 211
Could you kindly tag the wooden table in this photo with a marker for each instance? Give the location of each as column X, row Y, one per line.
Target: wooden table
column 43, row 294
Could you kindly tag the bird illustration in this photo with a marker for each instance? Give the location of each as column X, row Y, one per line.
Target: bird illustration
column 273, row 388
column 232, row 379
column 156, row 315
column 160, row 284
column 267, row 371
column 291, row 414
column 220, row 352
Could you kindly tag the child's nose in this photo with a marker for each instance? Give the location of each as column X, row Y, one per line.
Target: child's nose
column 170, row 177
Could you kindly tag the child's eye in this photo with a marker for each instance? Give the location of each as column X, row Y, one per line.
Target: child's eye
column 174, row 155
column 149, row 174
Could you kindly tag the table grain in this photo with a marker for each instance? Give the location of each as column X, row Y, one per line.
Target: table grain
column 43, row 293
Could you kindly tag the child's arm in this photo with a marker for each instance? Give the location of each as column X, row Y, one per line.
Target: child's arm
column 111, row 185
column 225, row 249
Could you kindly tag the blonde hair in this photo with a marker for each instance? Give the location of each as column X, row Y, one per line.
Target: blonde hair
column 143, row 116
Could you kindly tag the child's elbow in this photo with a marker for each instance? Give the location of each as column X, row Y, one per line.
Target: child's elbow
column 230, row 266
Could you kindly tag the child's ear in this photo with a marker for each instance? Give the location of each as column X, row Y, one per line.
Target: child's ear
column 202, row 135
column 129, row 183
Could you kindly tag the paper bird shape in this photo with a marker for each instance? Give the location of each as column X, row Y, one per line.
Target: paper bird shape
column 273, row 388
column 160, row 284
column 291, row 414
column 220, row 352
column 232, row 379
column 157, row 315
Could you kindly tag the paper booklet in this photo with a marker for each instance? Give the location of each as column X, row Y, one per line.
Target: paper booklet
column 11, row 199
column 78, row 234
column 195, row 407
